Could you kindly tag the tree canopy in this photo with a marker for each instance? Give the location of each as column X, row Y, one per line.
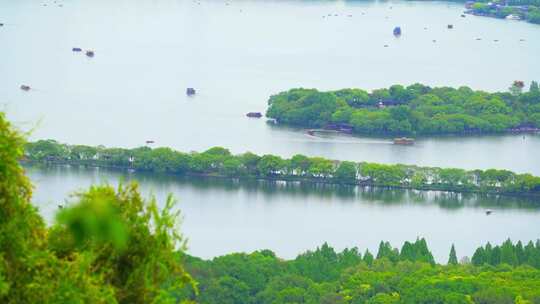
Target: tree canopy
column 415, row 109
column 219, row 161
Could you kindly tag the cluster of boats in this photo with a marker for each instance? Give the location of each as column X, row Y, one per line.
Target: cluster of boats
column 397, row 29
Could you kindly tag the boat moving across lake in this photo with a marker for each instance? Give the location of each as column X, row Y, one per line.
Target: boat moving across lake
column 403, row 141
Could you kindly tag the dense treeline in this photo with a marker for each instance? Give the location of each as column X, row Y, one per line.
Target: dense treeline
column 508, row 253
column 528, row 10
column 220, row 162
column 416, row 109
column 408, row 275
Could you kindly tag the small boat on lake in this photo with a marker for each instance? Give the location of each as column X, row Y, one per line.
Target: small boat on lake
column 90, row 53
column 450, row 26
column 513, row 17
column 25, row 87
column 76, row 49
column 254, row 114
column 403, row 141
column 190, row 91
column 397, row 31
column 489, row 211
column 149, row 142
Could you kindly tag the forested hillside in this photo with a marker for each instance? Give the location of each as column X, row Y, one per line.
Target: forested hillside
column 408, row 275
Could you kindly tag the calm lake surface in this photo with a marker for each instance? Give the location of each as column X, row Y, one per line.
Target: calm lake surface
column 236, row 56
column 223, row 216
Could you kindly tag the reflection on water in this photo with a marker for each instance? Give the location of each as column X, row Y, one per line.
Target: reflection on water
column 295, row 189
column 226, row 215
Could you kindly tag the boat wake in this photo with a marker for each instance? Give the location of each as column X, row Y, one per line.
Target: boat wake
column 317, row 139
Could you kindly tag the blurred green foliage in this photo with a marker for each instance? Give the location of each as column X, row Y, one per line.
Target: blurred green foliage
column 107, row 245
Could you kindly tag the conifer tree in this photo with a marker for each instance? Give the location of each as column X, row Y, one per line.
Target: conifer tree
column 452, row 260
column 368, row 257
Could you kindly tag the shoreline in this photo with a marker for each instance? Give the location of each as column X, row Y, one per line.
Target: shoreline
column 291, row 179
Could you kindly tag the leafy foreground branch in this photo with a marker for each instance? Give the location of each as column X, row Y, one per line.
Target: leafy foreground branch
column 220, row 162
column 108, row 246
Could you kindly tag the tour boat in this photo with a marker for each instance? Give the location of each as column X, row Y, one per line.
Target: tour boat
column 403, row 141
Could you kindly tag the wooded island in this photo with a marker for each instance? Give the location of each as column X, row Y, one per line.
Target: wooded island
column 416, row 109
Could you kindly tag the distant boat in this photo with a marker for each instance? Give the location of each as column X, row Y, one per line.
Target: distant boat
column 403, row 141
column 450, row 26
column 149, row 142
column 397, row 31
column 254, row 114
column 25, row 87
column 488, row 211
column 76, row 49
column 90, row 53
column 190, row 91
column 513, row 17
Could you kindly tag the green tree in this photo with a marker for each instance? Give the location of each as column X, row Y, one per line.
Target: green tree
column 452, row 259
column 368, row 257
column 346, row 173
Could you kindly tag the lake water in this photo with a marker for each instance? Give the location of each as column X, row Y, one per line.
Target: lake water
column 236, row 56
column 223, row 216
